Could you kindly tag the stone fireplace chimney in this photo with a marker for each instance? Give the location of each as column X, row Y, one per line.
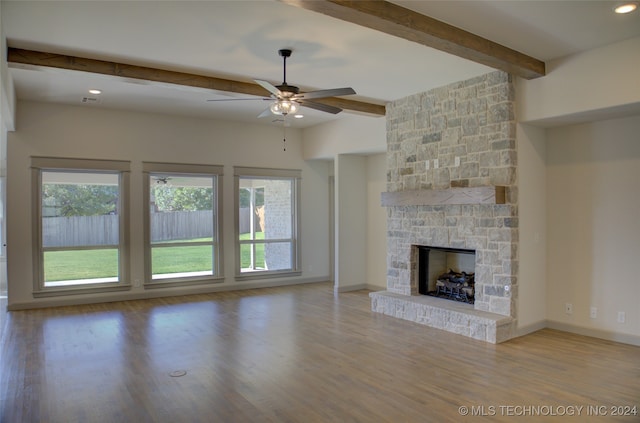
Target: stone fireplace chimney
column 451, row 183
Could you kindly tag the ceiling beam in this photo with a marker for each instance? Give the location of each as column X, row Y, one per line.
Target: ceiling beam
column 37, row 59
column 404, row 23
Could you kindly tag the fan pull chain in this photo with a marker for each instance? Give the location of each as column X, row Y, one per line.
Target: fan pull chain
column 284, row 133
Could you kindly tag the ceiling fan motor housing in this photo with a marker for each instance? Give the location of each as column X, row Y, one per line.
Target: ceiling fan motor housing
column 288, row 90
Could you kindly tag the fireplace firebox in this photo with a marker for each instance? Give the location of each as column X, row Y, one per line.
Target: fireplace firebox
column 446, row 273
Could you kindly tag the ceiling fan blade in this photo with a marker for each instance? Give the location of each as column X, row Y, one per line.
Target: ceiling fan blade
column 335, row 92
column 319, row 106
column 269, row 87
column 266, row 112
column 238, row 99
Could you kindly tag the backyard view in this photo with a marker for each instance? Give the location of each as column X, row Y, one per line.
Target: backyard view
column 182, row 225
column 82, row 227
column 80, row 237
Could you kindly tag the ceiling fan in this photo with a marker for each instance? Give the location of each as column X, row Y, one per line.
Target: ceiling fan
column 287, row 98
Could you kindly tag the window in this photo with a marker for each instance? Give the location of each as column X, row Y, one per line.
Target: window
column 81, row 224
column 182, row 235
column 267, row 221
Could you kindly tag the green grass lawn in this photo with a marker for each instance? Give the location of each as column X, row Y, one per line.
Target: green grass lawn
column 90, row 264
column 83, row 264
column 182, row 259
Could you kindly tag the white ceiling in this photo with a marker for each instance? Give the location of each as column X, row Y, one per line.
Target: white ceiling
column 240, row 40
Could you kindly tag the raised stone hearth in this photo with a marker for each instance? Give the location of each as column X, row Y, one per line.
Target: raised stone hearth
column 438, row 313
column 458, row 136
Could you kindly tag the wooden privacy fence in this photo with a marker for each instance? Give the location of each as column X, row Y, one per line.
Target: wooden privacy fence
column 79, row 230
column 169, row 226
column 103, row 230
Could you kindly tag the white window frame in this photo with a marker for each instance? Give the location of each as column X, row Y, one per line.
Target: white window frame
column 215, row 171
column 54, row 164
column 295, row 176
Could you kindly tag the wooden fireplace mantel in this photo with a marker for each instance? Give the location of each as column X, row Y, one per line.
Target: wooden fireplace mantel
column 450, row 196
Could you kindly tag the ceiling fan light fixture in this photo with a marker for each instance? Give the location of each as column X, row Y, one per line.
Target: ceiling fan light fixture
column 626, row 8
column 283, row 107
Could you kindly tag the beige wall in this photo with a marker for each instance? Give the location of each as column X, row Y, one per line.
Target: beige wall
column 532, row 206
column 350, row 222
column 376, row 222
column 361, row 248
column 354, row 134
column 85, row 132
column 599, row 82
column 563, row 170
column 359, row 143
column 593, row 229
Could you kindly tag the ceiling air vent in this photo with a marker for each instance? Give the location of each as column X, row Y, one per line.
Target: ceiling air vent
column 90, row 100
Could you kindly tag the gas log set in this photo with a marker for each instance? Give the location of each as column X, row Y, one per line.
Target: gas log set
column 457, row 286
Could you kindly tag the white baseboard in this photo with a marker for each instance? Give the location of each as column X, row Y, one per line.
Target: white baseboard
column 359, row 287
column 350, row 288
column 579, row 330
column 533, row 327
column 376, row 288
column 596, row 333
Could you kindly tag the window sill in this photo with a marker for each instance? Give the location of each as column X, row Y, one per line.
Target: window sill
column 78, row 290
column 264, row 274
column 170, row 283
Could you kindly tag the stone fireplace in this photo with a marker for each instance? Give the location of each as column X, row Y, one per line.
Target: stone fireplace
column 451, row 184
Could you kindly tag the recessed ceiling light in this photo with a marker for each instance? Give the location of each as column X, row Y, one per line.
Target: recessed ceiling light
column 625, row 8
column 94, row 91
column 298, row 116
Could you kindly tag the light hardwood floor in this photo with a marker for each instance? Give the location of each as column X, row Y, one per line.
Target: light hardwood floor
column 295, row 354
